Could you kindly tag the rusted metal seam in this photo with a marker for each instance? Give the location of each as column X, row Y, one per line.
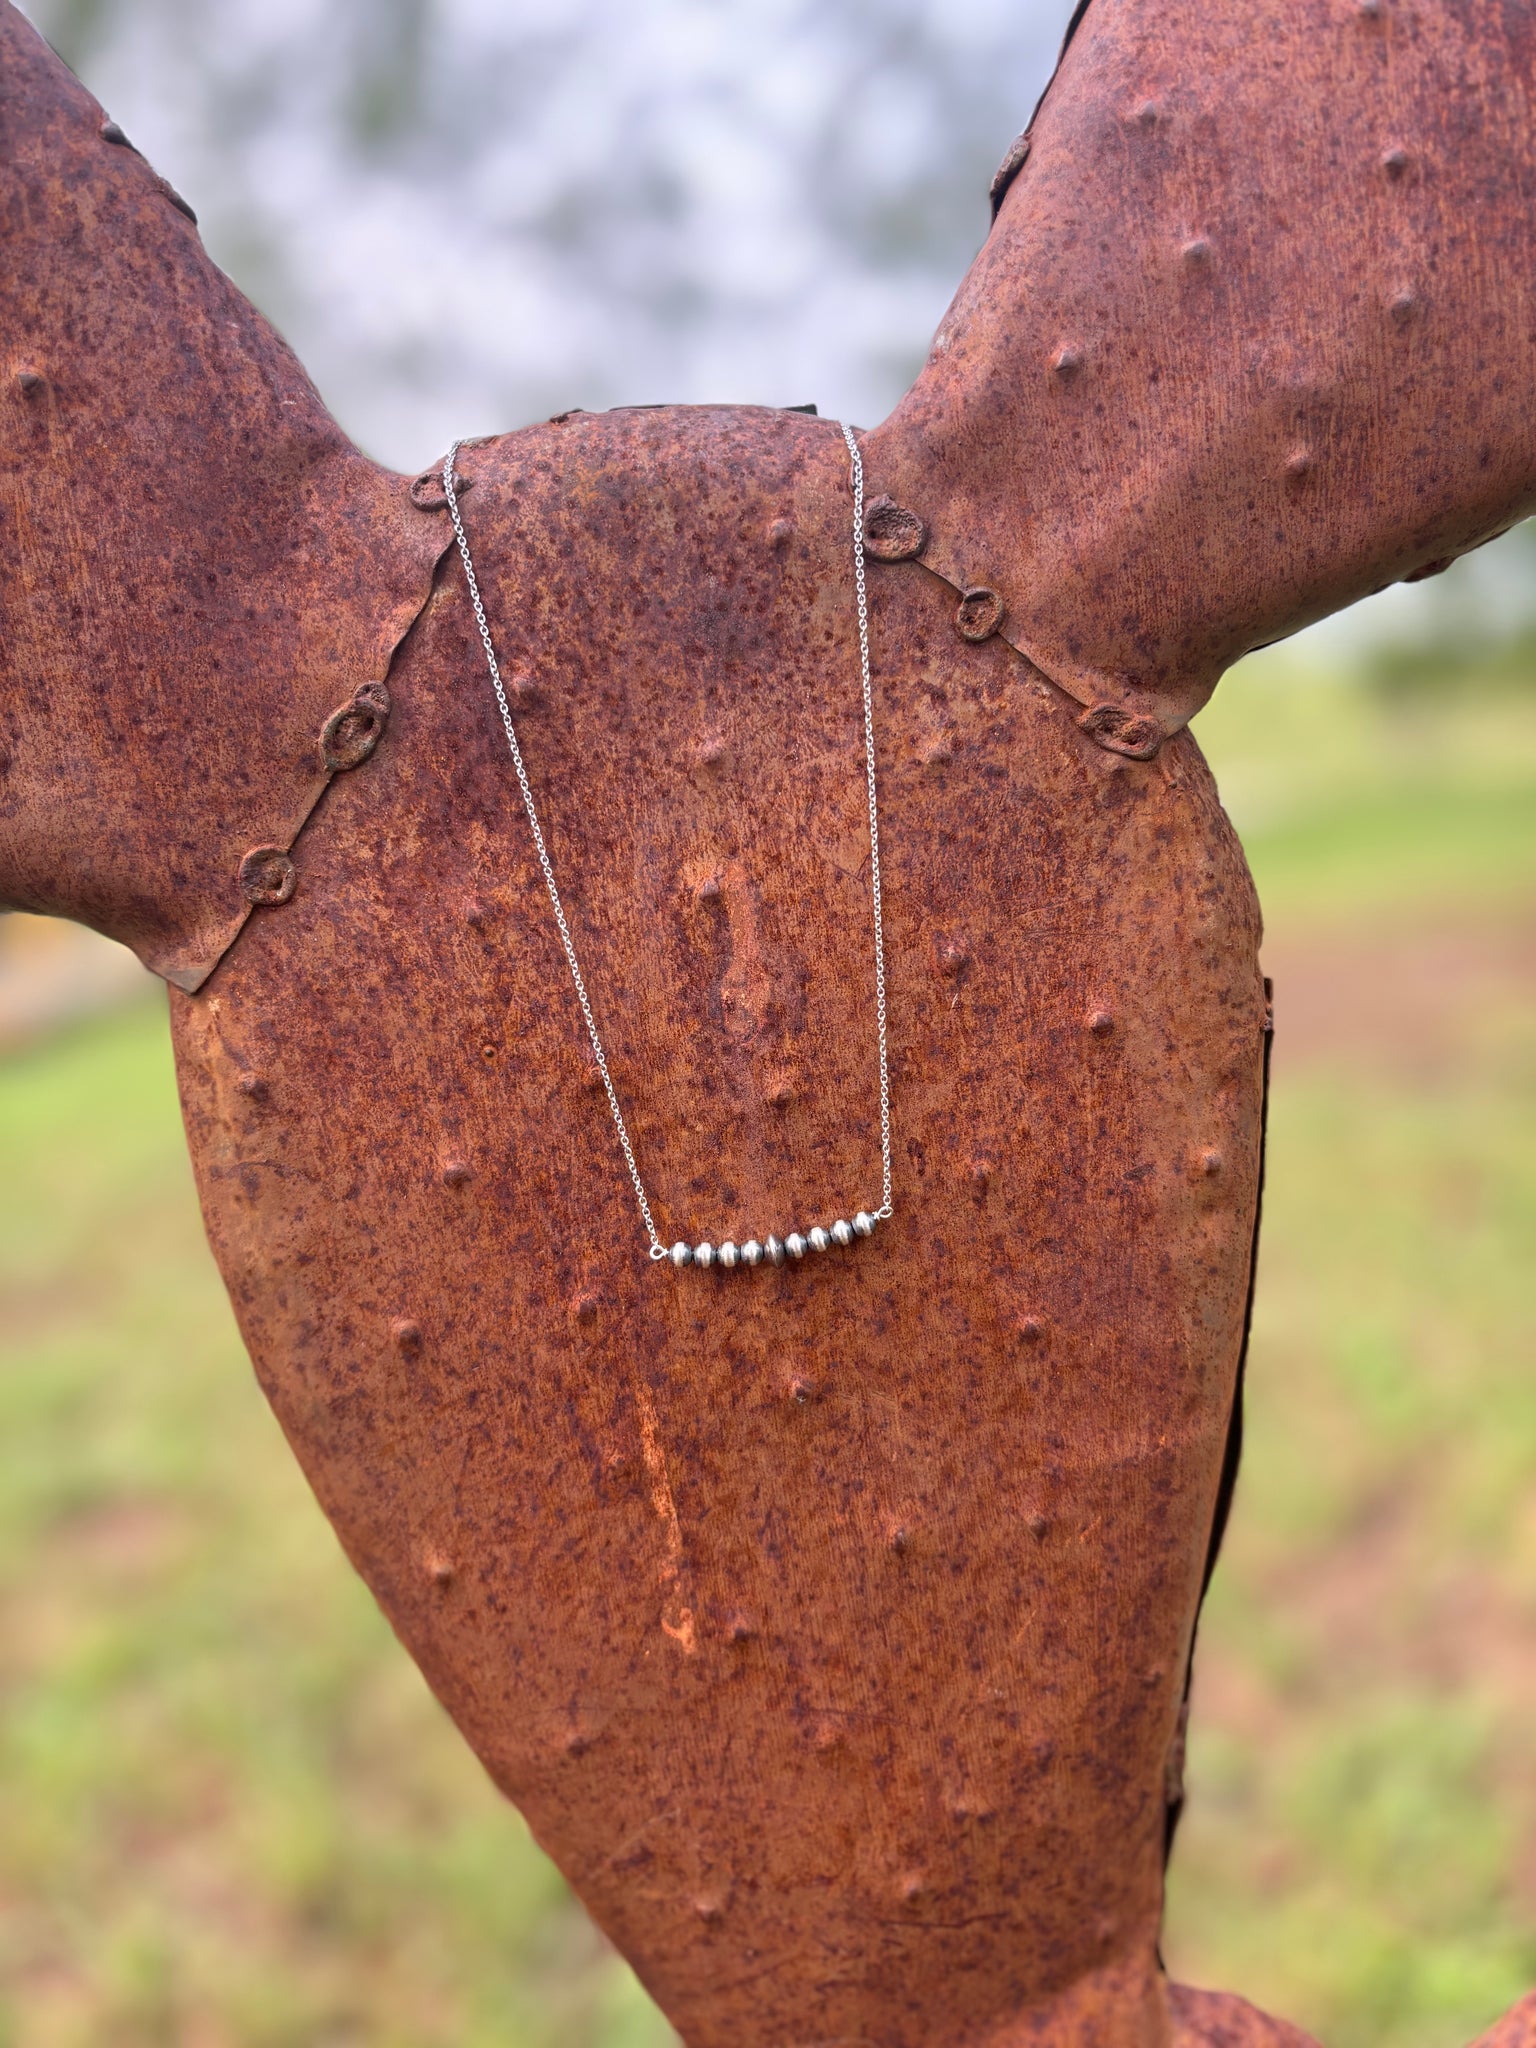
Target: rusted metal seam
column 348, row 737
column 1232, row 1453
column 1108, row 725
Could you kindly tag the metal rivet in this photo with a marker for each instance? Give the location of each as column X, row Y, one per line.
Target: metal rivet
column 1067, row 364
column 576, row 1742
column 584, row 1308
column 891, row 533
column 981, row 1175
column 267, row 875
column 1395, row 162
column 938, row 753
column 439, row 1569
column 781, row 1093
column 474, row 911
column 1299, row 464
column 710, row 753
column 1211, row 1161
column 110, row 132
column 456, row 1173
column 427, row 491
column 900, row 1541
column 910, row 1886
column 1403, row 305
column 780, row 533
column 1148, row 114
column 709, row 889
column 487, row 1051
column 979, row 613
column 708, row 1909
column 1037, row 1524
column 1031, row 1329
column 253, row 1087
column 1196, row 253
column 826, row 1735
column 1100, row 1023
column 29, row 382
column 738, row 1630
column 954, row 957
column 1121, row 731
column 1013, row 162
column 406, row 1336
column 355, row 728
column 801, row 1392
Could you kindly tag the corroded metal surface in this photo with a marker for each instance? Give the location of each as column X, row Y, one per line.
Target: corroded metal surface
column 830, row 1624
column 200, row 572
column 1254, row 334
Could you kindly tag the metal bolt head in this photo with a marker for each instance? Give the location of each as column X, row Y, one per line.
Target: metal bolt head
column 891, row 533
column 266, row 875
column 427, row 493
column 979, row 613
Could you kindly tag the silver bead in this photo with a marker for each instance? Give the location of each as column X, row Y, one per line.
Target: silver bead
column 864, row 1223
column 817, row 1238
column 775, row 1250
column 842, row 1232
column 794, row 1244
column 681, row 1254
column 751, row 1253
column 728, row 1254
column 704, row 1254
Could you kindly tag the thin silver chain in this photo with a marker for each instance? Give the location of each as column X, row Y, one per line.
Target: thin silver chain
column 856, row 462
column 658, row 1249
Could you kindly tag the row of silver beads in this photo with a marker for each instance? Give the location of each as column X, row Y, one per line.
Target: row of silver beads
column 794, row 1246
column 777, row 1249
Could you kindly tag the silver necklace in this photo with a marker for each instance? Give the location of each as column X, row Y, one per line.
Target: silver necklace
column 794, row 1244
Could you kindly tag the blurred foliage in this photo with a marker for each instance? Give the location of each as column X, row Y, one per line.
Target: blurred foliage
column 231, row 1814
column 1360, row 1846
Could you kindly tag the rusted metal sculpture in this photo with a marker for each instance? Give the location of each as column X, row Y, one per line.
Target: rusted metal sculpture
column 830, row 1625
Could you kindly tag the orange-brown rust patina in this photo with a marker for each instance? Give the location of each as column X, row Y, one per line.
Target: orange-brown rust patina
column 831, row 1625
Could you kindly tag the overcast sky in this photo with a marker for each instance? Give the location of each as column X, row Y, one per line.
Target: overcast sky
column 467, row 214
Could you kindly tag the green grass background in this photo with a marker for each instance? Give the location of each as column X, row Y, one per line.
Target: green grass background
column 231, row 1814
